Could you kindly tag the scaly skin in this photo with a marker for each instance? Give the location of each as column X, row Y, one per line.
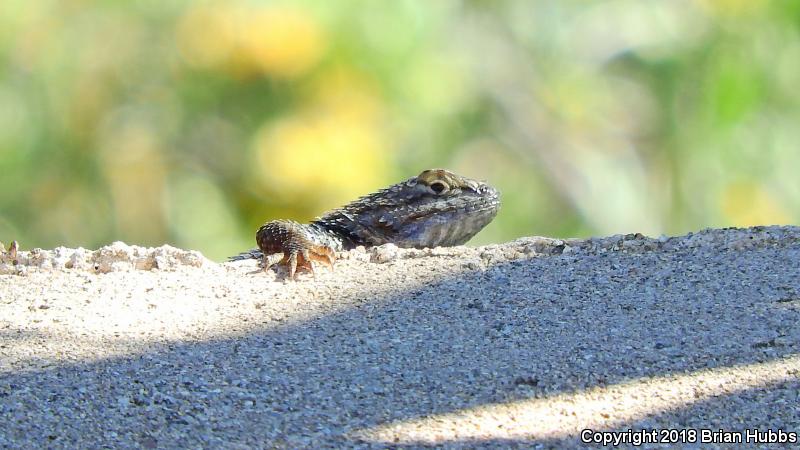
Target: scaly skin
column 435, row 208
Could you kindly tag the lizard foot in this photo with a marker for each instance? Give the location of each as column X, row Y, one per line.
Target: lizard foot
column 11, row 253
column 286, row 241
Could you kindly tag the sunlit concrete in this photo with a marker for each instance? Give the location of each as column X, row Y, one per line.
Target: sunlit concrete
column 565, row 415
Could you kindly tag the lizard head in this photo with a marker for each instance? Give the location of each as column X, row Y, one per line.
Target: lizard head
column 435, row 208
column 447, row 209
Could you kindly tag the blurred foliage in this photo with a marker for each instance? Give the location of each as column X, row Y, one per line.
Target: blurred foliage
column 193, row 122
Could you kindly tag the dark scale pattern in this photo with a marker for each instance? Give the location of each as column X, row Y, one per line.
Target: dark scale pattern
column 435, row 208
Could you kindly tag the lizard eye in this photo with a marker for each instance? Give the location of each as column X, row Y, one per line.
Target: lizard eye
column 438, row 187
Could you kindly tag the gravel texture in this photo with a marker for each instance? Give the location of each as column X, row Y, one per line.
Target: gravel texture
column 522, row 344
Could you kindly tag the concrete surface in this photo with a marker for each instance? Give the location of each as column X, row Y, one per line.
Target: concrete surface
column 523, row 344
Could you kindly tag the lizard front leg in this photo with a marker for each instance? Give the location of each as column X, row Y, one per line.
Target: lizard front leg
column 286, row 241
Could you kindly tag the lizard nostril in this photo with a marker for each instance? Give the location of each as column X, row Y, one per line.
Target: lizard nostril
column 438, row 187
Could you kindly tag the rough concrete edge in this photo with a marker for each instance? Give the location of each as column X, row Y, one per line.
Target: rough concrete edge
column 123, row 257
column 110, row 258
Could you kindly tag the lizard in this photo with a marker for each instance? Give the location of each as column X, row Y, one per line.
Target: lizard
column 435, row 208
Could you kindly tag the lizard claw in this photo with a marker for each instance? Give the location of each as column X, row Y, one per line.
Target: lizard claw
column 305, row 259
column 268, row 261
column 10, row 253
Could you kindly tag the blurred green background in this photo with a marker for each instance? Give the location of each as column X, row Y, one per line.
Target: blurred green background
column 191, row 123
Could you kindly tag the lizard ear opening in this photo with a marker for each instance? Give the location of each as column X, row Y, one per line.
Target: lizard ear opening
column 438, row 187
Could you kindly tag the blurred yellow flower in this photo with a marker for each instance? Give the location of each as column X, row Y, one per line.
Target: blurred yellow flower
column 282, row 42
column 336, row 158
column 336, row 148
column 278, row 41
column 747, row 204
